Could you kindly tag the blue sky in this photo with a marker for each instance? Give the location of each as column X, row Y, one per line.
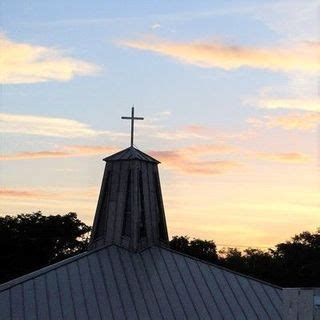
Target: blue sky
column 228, row 90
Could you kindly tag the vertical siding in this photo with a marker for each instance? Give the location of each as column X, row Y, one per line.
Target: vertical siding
column 111, row 206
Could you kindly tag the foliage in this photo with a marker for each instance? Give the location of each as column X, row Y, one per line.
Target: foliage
column 202, row 249
column 294, row 263
column 31, row 241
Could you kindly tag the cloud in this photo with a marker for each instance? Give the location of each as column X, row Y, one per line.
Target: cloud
column 27, row 63
column 187, row 159
column 205, row 133
column 301, row 57
column 301, row 121
column 65, row 152
column 48, row 194
column 47, row 126
column 156, row 26
column 16, row 193
column 286, row 157
column 298, row 104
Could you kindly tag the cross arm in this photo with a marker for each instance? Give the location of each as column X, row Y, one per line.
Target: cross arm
column 135, row 118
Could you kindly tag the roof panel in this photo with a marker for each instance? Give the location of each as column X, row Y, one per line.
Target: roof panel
column 54, row 296
column 41, row 297
column 204, row 290
column 157, row 283
column 100, row 289
column 29, row 300
column 63, row 282
column 155, row 276
column 5, row 305
column 88, row 289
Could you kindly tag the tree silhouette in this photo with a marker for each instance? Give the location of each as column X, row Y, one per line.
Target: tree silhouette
column 294, row 263
column 202, row 249
column 31, row 241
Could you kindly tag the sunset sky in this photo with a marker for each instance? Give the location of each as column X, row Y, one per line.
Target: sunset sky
column 229, row 92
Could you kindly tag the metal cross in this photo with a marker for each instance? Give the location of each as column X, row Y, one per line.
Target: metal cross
column 132, row 118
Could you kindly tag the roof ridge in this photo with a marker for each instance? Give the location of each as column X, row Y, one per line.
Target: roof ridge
column 211, row 264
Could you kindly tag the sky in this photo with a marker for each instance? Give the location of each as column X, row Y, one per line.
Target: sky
column 229, row 92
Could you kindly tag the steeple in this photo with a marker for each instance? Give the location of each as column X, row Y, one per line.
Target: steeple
column 130, row 210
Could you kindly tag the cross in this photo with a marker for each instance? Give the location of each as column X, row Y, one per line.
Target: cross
column 132, row 118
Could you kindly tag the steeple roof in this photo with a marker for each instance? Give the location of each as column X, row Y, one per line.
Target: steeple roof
column 131, row 153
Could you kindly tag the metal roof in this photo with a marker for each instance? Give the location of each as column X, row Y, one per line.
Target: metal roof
column 130, row 153
column 157, row 283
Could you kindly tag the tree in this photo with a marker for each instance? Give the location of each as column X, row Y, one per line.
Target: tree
column 294, row 263
column 299, row 260
column 31, row 241
column 253, row 262
column 201, row 249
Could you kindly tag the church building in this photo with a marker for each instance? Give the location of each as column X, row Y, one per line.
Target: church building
column 129, row 272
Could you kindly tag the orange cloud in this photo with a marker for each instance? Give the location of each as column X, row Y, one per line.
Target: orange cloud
column 303, row 57
column 66, row 152
column 19, row 193
column 302, row 121
column 287, row 157
column 56, row 194
column 187, row 159
column 27, row 63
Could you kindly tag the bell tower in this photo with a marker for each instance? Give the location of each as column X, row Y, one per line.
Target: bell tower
column 130, row 211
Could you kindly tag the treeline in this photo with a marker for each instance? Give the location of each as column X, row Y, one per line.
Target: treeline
column 31, row 241
column 294, row 263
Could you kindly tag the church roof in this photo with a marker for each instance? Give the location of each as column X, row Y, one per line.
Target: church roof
column 156, row 283
column 131, row 153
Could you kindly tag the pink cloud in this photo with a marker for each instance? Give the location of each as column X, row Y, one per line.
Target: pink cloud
column 187, row 159
column 66, row 152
